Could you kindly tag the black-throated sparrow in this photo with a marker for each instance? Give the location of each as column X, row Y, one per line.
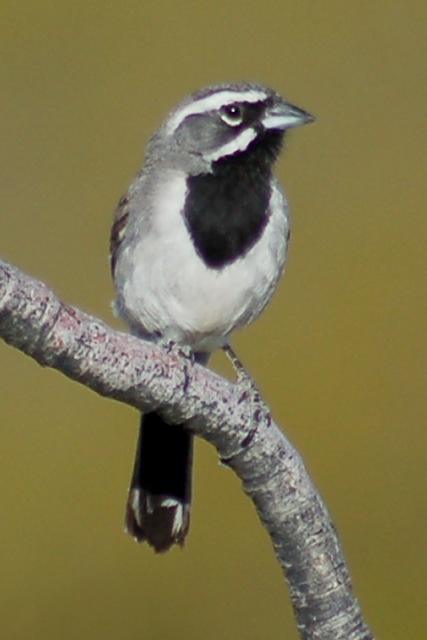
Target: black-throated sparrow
column 197, row 247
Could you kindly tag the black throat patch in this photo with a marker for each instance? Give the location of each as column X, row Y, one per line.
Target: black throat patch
column 226, row 211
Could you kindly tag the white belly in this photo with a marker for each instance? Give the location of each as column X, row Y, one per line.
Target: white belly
column 167, row 288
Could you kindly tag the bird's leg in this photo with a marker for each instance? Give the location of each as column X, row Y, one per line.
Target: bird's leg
column 243, row 376
column 260, row 411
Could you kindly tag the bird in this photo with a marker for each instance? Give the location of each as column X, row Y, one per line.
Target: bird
column 197, row 247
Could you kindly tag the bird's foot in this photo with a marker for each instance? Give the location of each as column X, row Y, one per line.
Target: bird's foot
column 260, row 411
column 177, row 349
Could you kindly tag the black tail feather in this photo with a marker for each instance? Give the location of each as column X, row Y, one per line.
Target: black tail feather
column 158, row 506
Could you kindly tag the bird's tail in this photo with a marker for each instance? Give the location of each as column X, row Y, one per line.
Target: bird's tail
column 158, row 506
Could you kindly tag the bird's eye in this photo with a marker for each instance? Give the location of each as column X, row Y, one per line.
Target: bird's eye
column 232, row 114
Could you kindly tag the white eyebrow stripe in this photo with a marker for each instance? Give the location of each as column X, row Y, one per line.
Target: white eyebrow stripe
column 213, row 102
column 240, row 143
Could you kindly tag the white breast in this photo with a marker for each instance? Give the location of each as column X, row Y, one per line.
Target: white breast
column 165, row 287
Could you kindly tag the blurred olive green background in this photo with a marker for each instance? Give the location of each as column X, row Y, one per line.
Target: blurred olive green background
column 339, row 355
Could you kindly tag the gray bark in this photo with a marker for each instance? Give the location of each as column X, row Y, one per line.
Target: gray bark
column 273, row 475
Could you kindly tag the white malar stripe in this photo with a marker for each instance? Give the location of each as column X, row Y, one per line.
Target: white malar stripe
column 240, row 143
column 211, row 103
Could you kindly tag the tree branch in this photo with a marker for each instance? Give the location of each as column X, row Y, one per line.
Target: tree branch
column 273, row 475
